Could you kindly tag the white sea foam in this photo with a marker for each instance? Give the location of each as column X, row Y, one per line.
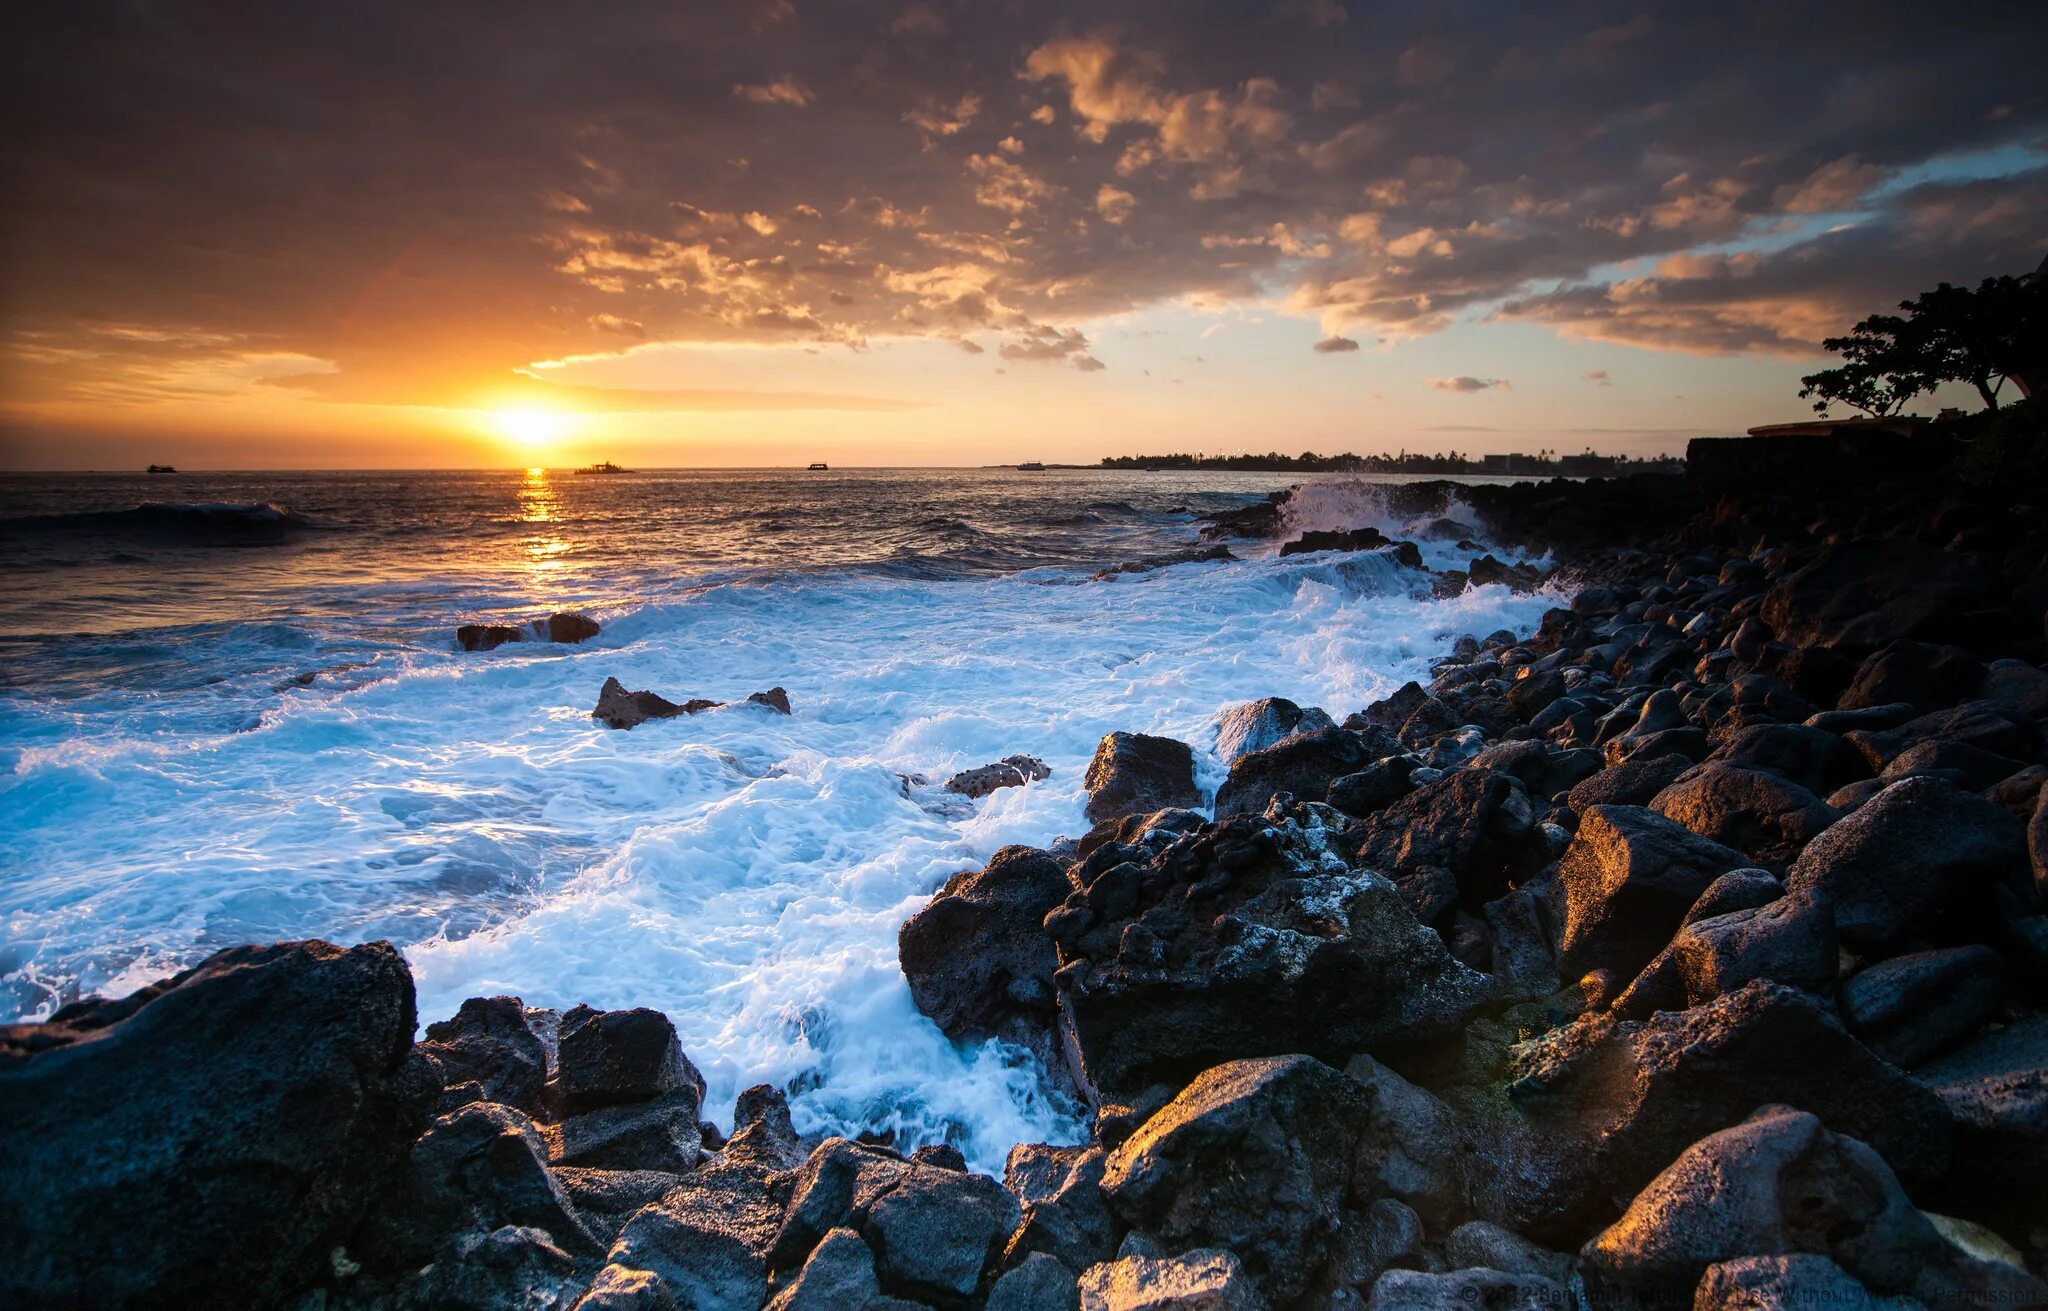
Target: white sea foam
column 742, row 871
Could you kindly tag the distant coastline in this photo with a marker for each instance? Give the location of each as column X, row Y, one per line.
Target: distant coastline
column 1587, row 464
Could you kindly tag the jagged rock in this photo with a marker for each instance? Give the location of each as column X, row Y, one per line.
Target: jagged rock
column 488, row 1041
column 762, row 1132
column 1789, row 941
column 487, row 637
column 702, row 1246
column 1373, row 788
column 1303, row 764
column 1629, row 876
column 618, row 708
column 1919, row 847
column 1780, row 1182
column 474, row 1171
column 839, row 1275
column 1201, row 1280
column 658, row 1134
column 1452, row 1290
column 774, row 698
column 211, row 1138
column 976, row 958
column 1037, row 1283
column 1256, row 725
column 1009, row 772
column 1910, row 1008
column 1472, row 823
column 1390, row 712
column 1159, row 827
column 1761, row 815
column 609, row 1058
column 1249, row 939
column 568, row 627
column 606, row 1199
column 1253, row 1156
column 1065, row 1214
column 1629, row 1097
column 1135, row 774
column 1412, row 1147
column 1631, row 783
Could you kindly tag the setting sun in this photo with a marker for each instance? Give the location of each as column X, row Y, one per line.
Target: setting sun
column 529, row 427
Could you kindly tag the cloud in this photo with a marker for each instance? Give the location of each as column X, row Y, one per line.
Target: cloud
column 1466, row 383
column 782, row 91
column 1335, row 346
column 1114, row 203
column 1599, row 377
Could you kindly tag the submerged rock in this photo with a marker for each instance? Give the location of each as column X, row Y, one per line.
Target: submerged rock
column 1009, row 772
column 618, row 708
column 487, row 637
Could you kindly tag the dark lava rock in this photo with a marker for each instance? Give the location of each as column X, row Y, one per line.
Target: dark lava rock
column 569, row 627
column 1390, row 712
column 1303, row 765
column 1473, row 823
column 1354, row 539
column 976, row 957
column 607, row 1058
column 1789, row 941
column 761, row 1130
column 212, row 1138
column 1157, row 828
column 1009, row 772
column 1037, row 1283
column 1495, row 1290
column 774, row 698
column 840, row 1273
column 1375, row 787
column 606, row 1199
column 1256, row 725
column 487, row 637
column 1785, row 1283
column 1861, row 594
column 1629, row 1097
column 488, row 1041
column 1996, row 1088
column 1980, row 724
column 1632, row 783
column 1248, row 939
column 618, row 708
column 1135, row 774
column 703, row 1245
column 1814, row 759
column 1065, row 1214
column 1413, row 1148
column 1761, row 815
column 1910, row 1008
column 1778, row 1183
column 1253, row 1156
column 1918, row 847
column 1629, row 877
column 1916, row 672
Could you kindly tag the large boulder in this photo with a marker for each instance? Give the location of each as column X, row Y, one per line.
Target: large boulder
column 704, row 1246
column 976, row 958
column 1248, row 939
column 1255, row 1157
column 1303, row 765
column 1761, row 815
column 1864, row 593
column 488, row 1042
column 1473, row 824
column 1913, row 1007
column 1256, row 725
column 212, row 1138
column 1631, row 783
column 1202, row 1280
column 1919, row 847
column 1136, row 774
column 1786, row 1283
column 1996, row 1088
column 1789, row 941
column 569, row 627
column 1065, row 1214
column 628, row 1098
column 1984, row 725
column 1781, row 1182
column 1629, row 877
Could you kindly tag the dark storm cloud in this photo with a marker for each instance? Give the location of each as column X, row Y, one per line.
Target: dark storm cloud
column 413, row 190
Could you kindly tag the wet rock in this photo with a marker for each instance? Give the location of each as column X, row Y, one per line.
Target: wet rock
column 1367, row 538
column 943, row 1155
column 211, row 1138
column 1038, row 1283
column 1761, row 815
column 1202, row 1280
column 1495, row 1290
column 1780, row 1182
column 1009, row 772
column 488, row 1041
column 1254, row 1156
column 1065, row 1214
column 1303, row 764
column 487, row 637
column 1918, row 847
column 618, row 708
column 976, row 958
column 774, row 698
column 1390, row 712
column 568, row 627
column 1911, row 1008
column 1629, row 877
column 1157, row 828
column 1632, row 783
column 1135, row 774
column 1257, row 725
column 1249, row 939
column 608, row 1058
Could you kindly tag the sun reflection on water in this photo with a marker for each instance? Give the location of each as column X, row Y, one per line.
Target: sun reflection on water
column 539, row 504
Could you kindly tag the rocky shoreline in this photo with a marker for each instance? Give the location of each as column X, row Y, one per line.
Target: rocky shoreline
column 1688, row 952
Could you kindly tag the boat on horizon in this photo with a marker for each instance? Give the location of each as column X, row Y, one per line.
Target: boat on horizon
column 603, row 466
column 820, row 467
column 160, row 468
column 1031, row 466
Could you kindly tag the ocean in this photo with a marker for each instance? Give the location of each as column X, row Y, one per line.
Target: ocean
column 232, row 710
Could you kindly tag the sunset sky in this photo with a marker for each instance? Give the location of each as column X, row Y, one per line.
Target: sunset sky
column 430, row 234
